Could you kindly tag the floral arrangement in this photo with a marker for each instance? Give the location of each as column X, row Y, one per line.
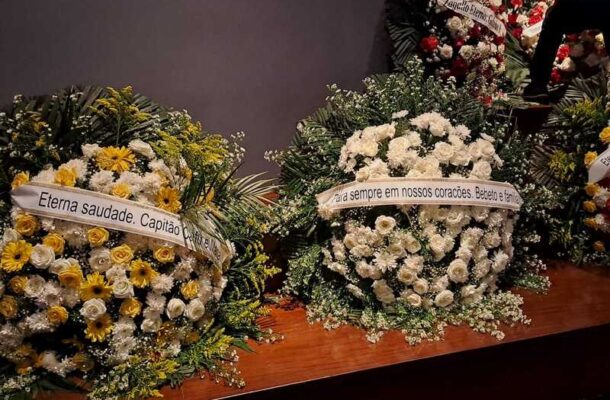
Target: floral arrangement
column 414, row 268
column 121, row 314
column 575, row 211
column 582, row 53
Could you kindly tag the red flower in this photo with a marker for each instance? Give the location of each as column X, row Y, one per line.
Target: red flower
column 608, row 205
column 458, row 43
column 516, row 3
column 572, row 37
column 534, row 19
column 475, row 31
column 429, row 44
column 459, row 68
column 512, row 18
column 563, row 52
column 555, row 76
column 517, row 32
column 498, row 40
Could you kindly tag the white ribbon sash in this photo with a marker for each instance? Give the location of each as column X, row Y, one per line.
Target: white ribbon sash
column 477, row 12
column 412, row 191
column 600, row 167
column 99, row 209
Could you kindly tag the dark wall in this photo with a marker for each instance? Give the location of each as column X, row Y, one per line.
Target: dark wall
column 252, row 65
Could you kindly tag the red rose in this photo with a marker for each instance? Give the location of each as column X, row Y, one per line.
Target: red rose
column 459, row 68
column 429, row 44
column 498, row 40
column 458, row 43
column 563, row 52
column 534, row 19
column 512, row 18
column 499, row 58
column 516, row 3
column 555, row 76
column 517, row 32
column 475, row 31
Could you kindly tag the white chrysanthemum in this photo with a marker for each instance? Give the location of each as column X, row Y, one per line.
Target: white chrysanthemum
column 141, row 147
column 385, row 224
column 383, row 292
column 101, row 181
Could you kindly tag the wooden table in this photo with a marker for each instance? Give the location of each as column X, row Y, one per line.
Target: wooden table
column 564, row 353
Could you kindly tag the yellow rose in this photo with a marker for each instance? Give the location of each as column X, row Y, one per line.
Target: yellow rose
column 121, row 190
column 20, row 179
column 604, row 136
column 83, row 362
column 592, row 189
column 164, row 254
column 17, row 284
column 599, row 246
column 130, row 307
column 71, row 276
column 65, row 176
column 589, row 206
column 121, row 254
column 57, row 315
column 97, row 236
column 590, row 156
column 190, row 290
column 8, row 307
column 54, row 241
column 26, row 224
column 590, row 222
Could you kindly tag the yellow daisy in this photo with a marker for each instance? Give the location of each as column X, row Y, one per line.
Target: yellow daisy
column 141, row 273
column 169, row 199
column 95, row 287
column 117, row 159
column 15, row 255
column 98, row 329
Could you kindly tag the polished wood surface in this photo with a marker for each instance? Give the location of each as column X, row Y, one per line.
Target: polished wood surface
column 312, row 361
column 579, row 298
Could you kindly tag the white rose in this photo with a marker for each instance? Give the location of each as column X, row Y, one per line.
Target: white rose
column 397, row 250
column 444, row 298
column 122, row 288
column 481, row 170
column 10, row 235
column 42, row 256
column 458, row 271
column 412, row 299
column 99, row 259
column 406, row 275
column 175, row 308
column 195, row 310
column 35, row 286
column 151, row 325
column 383, row 292
column 141, row 147
column 446, row 52
column 411, row 243
column 454, row 24
column 116, row 272
column 466, row 52
column 443, row 152
column 93, row 309
column 385, row 225
column 420, row 286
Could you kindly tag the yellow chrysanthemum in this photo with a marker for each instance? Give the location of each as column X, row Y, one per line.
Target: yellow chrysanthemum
column 8, row 307
column 97, row 236
column 122, row 254
column 130, row 307
column 589, row 206
column 15, row 255
column 164, row 254
column 190, row 290
column 169, row 199
column 115, row 159
column 95, row 287
column 122, row 190
column 71, row 276
column 590, row 156
column 17, row 284
column 57, row 315
column 98, row 329
column 65, row 176
column 604, row 136
column 26, row 224
column 54, row 241
column 20, row 179
column 592, row 189
column 141, row 273
column 599, row 246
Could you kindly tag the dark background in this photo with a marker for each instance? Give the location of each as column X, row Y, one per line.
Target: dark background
column 256, row 66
